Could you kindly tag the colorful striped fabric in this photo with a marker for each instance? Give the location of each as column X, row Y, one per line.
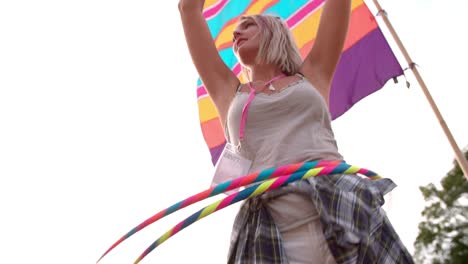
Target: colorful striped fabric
column 366, row 64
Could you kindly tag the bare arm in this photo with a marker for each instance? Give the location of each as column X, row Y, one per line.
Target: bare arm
column 219, row 80
column 320, row 64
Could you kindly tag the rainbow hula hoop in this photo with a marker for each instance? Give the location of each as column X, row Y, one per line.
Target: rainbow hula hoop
column 272, row 178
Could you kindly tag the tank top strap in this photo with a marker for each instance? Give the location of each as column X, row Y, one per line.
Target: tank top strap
column 299, row 74
column 239, row 87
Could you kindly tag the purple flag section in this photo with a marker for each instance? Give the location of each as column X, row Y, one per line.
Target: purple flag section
column 364, row 69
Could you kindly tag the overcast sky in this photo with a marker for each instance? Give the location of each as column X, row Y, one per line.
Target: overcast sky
column 99, row 128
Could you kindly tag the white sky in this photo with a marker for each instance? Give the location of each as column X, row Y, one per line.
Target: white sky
column 99, row 128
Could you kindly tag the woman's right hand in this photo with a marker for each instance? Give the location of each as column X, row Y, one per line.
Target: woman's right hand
column 220, row 82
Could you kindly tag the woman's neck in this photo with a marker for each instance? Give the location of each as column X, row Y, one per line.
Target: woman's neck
column 264, row 73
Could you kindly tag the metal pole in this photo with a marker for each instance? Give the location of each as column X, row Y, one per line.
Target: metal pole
column 458, row 153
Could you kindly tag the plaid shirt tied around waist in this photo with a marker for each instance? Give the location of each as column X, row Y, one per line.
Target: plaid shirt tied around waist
column 355, row 226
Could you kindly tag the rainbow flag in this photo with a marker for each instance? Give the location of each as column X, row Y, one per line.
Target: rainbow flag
column 366, row 64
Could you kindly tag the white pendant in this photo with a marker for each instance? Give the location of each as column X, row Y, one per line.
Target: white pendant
column 271, row 87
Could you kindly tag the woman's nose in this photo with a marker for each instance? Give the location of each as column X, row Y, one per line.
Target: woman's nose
column 236, row 35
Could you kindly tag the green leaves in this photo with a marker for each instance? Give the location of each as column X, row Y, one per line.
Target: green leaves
column 443, row 235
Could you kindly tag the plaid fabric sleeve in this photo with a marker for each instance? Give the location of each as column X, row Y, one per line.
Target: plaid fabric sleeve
column 255, row 237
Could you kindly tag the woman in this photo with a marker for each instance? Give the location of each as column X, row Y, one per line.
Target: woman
column 332, row 219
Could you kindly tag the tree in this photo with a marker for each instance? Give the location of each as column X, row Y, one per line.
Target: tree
column 443, row 235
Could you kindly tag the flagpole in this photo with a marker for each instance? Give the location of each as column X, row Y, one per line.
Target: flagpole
column 458, row 153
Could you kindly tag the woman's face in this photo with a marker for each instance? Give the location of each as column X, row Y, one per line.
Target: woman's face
column 246, row 40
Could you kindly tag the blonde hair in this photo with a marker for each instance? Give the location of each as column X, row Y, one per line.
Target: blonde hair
column 277, row 44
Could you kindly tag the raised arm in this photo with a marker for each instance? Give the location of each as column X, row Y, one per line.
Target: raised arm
column 320, row 63
column 218, row 79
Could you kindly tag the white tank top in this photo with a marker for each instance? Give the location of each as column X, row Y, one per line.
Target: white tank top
column 290, row 126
